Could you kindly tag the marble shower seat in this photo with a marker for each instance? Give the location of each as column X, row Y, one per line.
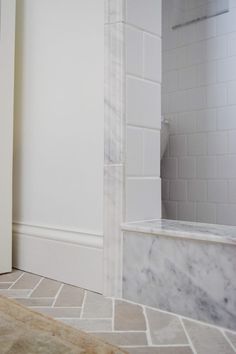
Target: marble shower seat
column 182, row 267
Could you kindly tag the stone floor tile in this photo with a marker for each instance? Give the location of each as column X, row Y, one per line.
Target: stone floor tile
column 11, row 277
column 70, row 296
column 207, row 340
column 27, row 281
column 32, row 302
column 61, row 312
column 97, row 306
column 46, row 288
column 165, row 328
column 128, row 317
column 232, row 338
column 124, row 338
column 5, row 285
column 15, row 293
column 160, row 350
column 90, row 325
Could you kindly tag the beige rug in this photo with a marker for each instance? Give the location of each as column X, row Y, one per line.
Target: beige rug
column 23, row 331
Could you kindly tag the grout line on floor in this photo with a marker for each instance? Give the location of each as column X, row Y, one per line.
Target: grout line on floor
column 20, row 276
column 57, row 295
column 31, row 292
column 83, row 303
column 148, row 332
column 187, row 335
column 228, row 340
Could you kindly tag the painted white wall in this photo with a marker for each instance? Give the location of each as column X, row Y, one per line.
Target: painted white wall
column 199, row 99
column 59, row 119
column 143, row 109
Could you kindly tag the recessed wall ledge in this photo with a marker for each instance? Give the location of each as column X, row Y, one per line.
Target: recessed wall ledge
column 184, row 229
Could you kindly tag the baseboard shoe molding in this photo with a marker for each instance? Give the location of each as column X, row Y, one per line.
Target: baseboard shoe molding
column 64, row 255
column 63, row 235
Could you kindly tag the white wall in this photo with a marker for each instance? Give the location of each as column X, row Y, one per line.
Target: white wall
column 59, row 119
column 199, row 99
column 143, row 109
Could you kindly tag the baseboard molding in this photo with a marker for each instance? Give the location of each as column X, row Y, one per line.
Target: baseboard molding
column 68, row 256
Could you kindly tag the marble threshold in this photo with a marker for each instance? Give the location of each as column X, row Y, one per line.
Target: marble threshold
column 184, row 229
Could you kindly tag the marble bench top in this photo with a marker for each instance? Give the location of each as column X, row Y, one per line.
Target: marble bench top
column 184, row 229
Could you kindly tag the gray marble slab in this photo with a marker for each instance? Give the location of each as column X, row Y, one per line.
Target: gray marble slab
column 184, row 229
column 188, row 277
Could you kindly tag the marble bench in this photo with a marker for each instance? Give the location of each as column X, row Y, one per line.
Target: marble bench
column 182, row 267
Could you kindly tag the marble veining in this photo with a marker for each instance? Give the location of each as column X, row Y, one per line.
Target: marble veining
column 184, row 229
column 187, row 277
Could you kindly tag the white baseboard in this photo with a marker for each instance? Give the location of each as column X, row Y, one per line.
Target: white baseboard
column 64, row 255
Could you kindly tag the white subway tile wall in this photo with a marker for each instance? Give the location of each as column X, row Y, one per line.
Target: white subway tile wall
column 199, row 100
column 143, row 109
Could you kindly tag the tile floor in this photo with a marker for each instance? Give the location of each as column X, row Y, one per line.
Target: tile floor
column 138, row 329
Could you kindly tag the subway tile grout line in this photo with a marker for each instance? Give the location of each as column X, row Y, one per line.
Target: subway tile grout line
column 187, row 335
column 148, row 332
column 228, row 340
column 20, row 276
column 83, row 304
column 57, row 295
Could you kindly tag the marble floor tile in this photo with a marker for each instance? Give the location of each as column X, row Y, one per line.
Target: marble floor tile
column 129, row 317
column 165, row 328
column 15, row 293
column 160, row 350
column 34, row 302
column 232, row 338
column 27, row 281
column 207, row 340
column 97, row 306
column 90, row 325
column 61, row 312
column 11, row 277
column 124, row 338
column 70, row 296
column 5, row 285
column 46, row 288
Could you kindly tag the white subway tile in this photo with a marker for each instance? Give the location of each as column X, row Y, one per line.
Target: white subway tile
column 216, row 95
column 206, row 120
column 206, row 167
column 232, row 44
column 143, row 199
column 170, row 81
column 217, row 191
column 143, row 103
column 152, row 58
column 226, row 118
column 186, row 211
column 134, row 157
column 232, row 191
column 226, row 214
column 151, row 153
column 206, row 213
column 232, row 92
column 178, row 145
column 170, row 208
column 178, row 190
column 226, row 23
column 145, row 14
column 169, row 168
column 226, row 69
column 134, row 51
column 187, row 122
column 187, row 167
column 197, row 190
column 217, row 143
column 188, row 78
column 216, row 48
column 226, row 167
column 206, row 73
column 165, row 189
column 232, row 142
column 197, row 144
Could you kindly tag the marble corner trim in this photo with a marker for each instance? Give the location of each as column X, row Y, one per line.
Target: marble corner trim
column 186, row 277
column 114, row 11
column 114, row 145
column 184, row 230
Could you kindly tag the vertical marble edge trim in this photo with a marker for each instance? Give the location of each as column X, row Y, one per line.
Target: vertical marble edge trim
column 114, row 104
column 113, row 215
column 114, row 11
